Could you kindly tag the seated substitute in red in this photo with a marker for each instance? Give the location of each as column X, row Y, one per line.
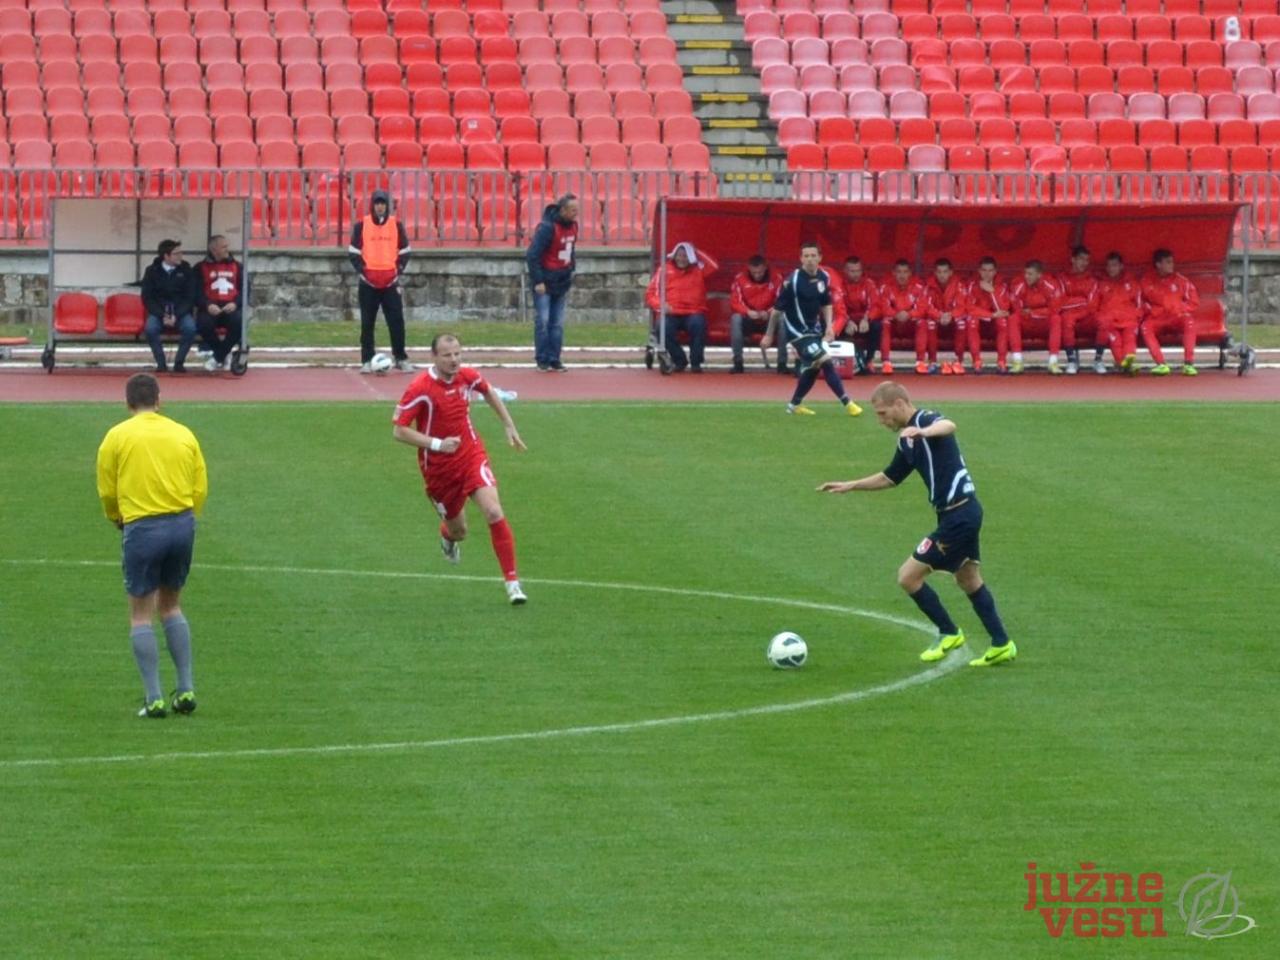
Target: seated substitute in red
column 1079, row 304
column 903, row 300
column 686, row 270
column 1170, row 301
column 751, row 298
column 989, row 302
column 1035, row 297
column 861, row 300
column 1120, row 312
column 948, row 309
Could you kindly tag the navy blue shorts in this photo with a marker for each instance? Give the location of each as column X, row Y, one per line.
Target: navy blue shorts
column 955, row 540
column 157, row 552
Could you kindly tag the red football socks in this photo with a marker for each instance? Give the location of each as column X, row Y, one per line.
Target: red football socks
column 504, row 548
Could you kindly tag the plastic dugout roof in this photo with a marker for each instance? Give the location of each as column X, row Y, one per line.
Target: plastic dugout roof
column 1199, row 235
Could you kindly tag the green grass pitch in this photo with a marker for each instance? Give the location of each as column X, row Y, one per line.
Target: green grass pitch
column 1131, row 549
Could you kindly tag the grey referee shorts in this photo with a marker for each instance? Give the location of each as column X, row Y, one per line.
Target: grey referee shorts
column 157, row 552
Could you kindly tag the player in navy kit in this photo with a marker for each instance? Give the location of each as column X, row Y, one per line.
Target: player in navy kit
column 927, row 445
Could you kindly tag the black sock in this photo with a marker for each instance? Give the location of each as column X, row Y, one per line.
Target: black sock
column 927, row 600
column 1098, row 353
column 803, row 385
column 834, row 382
column 984, row 605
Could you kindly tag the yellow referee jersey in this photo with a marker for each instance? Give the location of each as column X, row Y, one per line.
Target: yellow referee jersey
column 150, row 465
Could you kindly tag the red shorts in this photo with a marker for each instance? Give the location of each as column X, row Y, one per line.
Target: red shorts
column 449, row 490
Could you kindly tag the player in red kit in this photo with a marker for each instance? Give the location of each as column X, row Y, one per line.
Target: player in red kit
column 1079, row 303
column 862, row 312
column 948, row 310
column 1035, row 297
column 989, row 302
column 903, row 300
column 434, row 415
column 1170, row 301
column 1120, row 313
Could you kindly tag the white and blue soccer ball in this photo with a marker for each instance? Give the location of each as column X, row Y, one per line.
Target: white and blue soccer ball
column 787, row 651
column 380, row 363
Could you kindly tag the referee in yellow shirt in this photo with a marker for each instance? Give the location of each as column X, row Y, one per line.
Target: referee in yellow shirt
column 152, row 482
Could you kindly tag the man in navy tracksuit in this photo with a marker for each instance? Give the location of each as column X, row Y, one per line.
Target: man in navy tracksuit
column 551, row 263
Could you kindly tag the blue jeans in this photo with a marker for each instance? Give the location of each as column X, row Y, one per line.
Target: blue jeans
column 695, row 324
column 548, row 327
column 186, row 336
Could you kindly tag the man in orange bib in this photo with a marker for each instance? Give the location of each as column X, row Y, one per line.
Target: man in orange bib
column 379, row 251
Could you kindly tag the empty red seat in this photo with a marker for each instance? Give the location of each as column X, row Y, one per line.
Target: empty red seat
column 75, row 314
column 124, row 315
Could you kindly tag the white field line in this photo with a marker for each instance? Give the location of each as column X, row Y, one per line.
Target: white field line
column 950, row 665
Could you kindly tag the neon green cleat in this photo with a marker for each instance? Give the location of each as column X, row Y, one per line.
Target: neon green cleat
column 852, row 409
column 995, row 655
column 184, row 702
column 1129, row 364
column 946, row 642
column 1055, row 369
column 1189, row 370
column 1160, row 370
column 801, row 410
column 1015, row 366
column 153, row 709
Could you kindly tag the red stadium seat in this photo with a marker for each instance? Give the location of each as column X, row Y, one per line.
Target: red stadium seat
column 123, row 314
column 75, row 313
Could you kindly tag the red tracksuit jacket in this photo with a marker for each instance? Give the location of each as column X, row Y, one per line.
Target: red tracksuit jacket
column 1169, row 297
column 1039, row 302
column 1120, row 299
column 913, row 298
column 982, row 305
column 1079, row 293
column 953, row 300
column 746, row 294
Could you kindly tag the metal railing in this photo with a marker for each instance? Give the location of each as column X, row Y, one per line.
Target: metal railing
column 497, row 208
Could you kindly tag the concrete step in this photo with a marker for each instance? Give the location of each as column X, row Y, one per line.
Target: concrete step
column 759, row 167
column 731, row 106
column 720, row 79
column 675, row 9
column 706, row 28
column 714, row 53
column 728, row 137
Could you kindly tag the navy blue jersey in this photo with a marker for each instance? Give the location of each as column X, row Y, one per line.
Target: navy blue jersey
column 801, row 301
column 938, row 461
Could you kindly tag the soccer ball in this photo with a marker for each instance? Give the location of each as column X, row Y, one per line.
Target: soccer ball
column 787, row 650
column 379, row 363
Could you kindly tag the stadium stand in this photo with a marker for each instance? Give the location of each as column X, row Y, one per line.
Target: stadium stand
column 280, row 85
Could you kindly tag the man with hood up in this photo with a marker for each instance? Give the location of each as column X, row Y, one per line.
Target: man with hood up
column 687, row 269
column 379, row 251
column 550, row 259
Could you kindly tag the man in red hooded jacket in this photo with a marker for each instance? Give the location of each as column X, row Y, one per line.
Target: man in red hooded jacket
column 1079, row 303
column 686, row 270
column 1170, row 301
column 1035, row 297
column 862, row 311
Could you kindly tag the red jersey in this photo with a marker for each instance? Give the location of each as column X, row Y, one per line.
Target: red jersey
column 440, row 409
column 747, row 294
column 1038, row 302
column 861, row 299
column 1079, row 292
column 220, row 280
column 953, row 300
column 983, row 305
column 1174, row 294
column 1120, row 298
column 913, row 298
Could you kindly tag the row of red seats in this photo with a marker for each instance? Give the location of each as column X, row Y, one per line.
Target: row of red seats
column 1002, row 54
column 997, row 53
column 1095, row 8
column 431, row 128
column 410, row 154
column 962, row 131
column 1012, row 158
column 860, row 104
column 1076, row 27
column 77, row 315
column 192, row 108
